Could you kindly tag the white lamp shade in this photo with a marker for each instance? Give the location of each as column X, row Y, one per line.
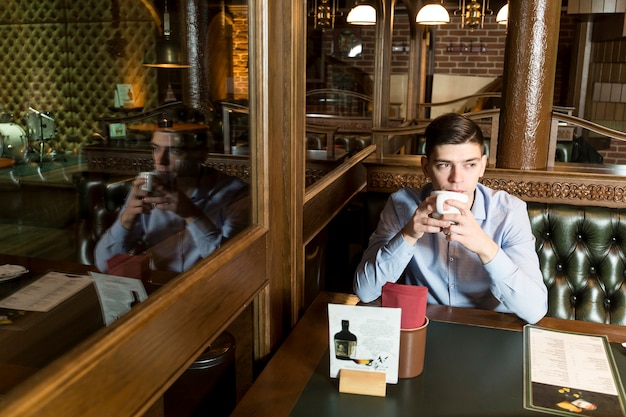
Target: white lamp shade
column 503, row 15
column 432, row 14
column 362, row 14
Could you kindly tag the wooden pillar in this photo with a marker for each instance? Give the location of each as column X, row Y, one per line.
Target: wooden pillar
column 528, row 88
column 195, row 82
column 382, row 71
column 415, row 89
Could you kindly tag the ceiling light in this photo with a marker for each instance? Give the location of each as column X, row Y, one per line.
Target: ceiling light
column 168, row 52
column 362, row 14
column 503, row 15
column 433, row 14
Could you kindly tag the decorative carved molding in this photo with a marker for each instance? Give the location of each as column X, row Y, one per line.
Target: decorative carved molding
column 570, row 186
column 132, row 159
column 391, row 181
column 570, row 191
column 113, row 163
column 314, row 174
column 242, row 171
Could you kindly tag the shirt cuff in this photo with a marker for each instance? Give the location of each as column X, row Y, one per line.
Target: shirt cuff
column 119, row 232
column 199, row 228
column 398, row 246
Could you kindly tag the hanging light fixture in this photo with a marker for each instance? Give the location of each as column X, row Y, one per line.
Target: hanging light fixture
column 168, row 52
column 433, row 14
column 362, row 14
column 503, row 15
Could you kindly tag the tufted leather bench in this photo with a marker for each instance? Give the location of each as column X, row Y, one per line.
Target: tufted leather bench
column 582, row 255
column 100, row 198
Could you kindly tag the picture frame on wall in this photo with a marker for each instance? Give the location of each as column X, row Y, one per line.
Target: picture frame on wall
column 347, row 42
column 124, row 96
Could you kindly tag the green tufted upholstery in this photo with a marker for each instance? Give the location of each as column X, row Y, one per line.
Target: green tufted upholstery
column 582, row 254
column 66, row 56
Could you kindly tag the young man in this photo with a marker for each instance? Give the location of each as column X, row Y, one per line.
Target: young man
column 191, row 211
column 483, row 257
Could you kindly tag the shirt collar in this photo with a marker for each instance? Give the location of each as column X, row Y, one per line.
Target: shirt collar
column 478, row 208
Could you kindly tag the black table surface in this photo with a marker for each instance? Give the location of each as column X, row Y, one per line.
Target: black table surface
column 468, row 371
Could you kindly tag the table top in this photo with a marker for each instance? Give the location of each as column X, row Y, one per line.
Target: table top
column 282, row 382
column 38, row 338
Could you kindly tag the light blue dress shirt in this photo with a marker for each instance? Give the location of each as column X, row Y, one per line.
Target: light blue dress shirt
column 511, row 282
column 172, row 244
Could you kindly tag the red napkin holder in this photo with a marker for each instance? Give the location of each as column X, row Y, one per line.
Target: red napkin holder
column 131, row 266
column 411, row 299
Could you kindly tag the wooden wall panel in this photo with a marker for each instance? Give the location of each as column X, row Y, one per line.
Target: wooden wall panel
column 126, row 367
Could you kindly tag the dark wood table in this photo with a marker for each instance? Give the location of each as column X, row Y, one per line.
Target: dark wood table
column 279, row 386
column 38, row 338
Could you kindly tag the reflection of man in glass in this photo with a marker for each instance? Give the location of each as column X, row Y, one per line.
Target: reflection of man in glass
column 191, row 211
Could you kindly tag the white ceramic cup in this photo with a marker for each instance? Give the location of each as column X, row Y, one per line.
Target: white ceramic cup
column 147, row 176
column 442, row 197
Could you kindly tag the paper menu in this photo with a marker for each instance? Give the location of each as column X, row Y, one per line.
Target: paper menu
column 46, row 292
column 117, row 294
column 364, row 338
column 569, row 373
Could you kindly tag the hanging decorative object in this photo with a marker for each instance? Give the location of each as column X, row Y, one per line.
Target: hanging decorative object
column 473, row 13
column 324, row 13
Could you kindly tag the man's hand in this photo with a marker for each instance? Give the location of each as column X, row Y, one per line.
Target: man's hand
column 135, row 204
column 464, row 229
column 174, row 200
column 422, row 221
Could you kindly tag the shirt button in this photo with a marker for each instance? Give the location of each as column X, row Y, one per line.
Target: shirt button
column 451, row 259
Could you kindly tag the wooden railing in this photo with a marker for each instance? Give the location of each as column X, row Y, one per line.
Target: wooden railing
column 338, row 102
column 392, row 140
column 402, row 136
column 478, row 97
column 577, row 122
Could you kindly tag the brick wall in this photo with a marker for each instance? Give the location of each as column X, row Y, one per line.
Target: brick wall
column 460, row 52
column 488, row 63
column 606, row 103
column 240, row 51
column 477, row 52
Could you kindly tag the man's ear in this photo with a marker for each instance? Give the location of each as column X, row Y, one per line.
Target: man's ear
column 483, row 161
column 425, row 166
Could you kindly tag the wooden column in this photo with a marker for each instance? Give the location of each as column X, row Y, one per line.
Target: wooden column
column 529, row 70
column 195, row 82
column 382, row 71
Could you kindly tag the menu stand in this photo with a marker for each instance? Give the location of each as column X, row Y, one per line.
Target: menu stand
column 353, row 381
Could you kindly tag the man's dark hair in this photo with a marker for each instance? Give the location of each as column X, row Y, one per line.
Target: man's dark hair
column 197, row 139
column 452, row 129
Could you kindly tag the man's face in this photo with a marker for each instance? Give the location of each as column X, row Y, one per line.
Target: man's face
column 456, row 168
column 168, row 151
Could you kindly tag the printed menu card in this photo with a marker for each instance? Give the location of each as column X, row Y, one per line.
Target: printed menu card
column 569, row 373
column 365, row 339
column 47, row 292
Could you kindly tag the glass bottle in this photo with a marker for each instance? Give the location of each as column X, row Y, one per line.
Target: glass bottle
column 345, row 342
